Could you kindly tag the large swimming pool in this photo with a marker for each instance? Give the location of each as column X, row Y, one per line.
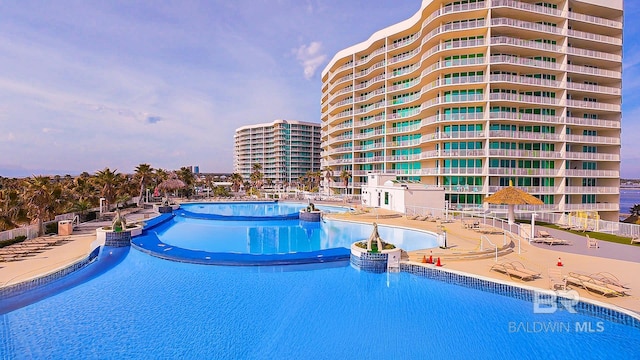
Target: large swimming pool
column 132, row 305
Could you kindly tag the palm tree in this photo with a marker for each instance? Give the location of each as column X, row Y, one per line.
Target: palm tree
column 345, row 175
column 236, row 182
column 186, row 175
column 257, row 176
column 38, row 189
column 108, row 181
column 143, row 174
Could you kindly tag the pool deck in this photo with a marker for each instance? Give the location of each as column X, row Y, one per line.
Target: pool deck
column 621, row 260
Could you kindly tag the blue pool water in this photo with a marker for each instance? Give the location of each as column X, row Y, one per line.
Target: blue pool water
column 132, row 305
column 149, row 308
column 280, row 236
column 253, row 208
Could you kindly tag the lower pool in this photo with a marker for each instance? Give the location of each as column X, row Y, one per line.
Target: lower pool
column 149, row 308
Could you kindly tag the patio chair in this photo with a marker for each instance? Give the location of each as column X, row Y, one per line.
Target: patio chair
column 556, row 280
column 592, row 243
column 635, row 239
column 543, row 234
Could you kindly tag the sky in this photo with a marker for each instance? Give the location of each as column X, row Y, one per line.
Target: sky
column 86, row 85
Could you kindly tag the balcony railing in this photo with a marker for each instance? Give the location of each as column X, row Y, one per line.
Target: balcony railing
column 594, row 37
column 594, row 88
column 524, row 98
column 524, row 172
column 524, row 80
column 592, row 105
column 525, row 153
column 505, row 40
column 592, row 173
column 525, row 117
column 526, row 25
column 530, row 189
column 528, row 7
column 592, row 189
column 595, row 20
column 593, row 122
column 593, row 54
column 499, row 59
column 593, row 139
column 597, row 206
column 594, row 71
column 574, row 155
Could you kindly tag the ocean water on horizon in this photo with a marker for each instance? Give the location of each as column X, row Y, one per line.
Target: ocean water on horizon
column 628, row 198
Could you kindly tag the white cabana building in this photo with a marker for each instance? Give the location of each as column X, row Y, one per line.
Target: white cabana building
column 384, row 191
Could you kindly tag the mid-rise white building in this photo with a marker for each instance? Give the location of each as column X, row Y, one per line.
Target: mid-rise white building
column 285, row 149
column 473, row 94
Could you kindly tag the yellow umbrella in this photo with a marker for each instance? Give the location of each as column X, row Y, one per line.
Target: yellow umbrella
column 512, row 196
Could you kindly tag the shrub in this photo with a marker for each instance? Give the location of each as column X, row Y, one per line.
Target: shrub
column 15, row 240
column 51, row 228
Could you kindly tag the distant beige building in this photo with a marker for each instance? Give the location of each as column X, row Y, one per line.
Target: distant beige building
column 286, row 149
column 470, row 95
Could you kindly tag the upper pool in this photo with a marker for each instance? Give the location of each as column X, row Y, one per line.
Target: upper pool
column 220, row 241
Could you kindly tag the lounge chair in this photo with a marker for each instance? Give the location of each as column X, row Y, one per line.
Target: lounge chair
column 513, row 272
column 553, row 241
column 592, row 243
column 543, row 234
column 635, row 239
column 593, row 285
column 520, row 267
column 412, row 217
column 556, row 280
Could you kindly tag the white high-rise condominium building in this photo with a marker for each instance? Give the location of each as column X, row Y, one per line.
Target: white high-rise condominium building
column 285, row 149
column 472, row 95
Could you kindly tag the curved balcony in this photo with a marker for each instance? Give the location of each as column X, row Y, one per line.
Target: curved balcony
column 369, row 107
column 592, row 190
column 453, row 9
column 526, row 25
column 369, row 134
column 593, row 122
column 534, row 154
column 529, row 44
column 523, row 172
column 592, row 105
column 591, row 173
column 597, row 206
column 412, row 38
column 499, row 115
column 404, row 129
column 367, row 71
column 524, row 98
column 594, row 37
column 530, row 189
column 527, row 7
column 368, row 83
column 466, row 25
column 516, row 60
column 593, row 139
column 594, row 71
column 593, row 54
column 525, row 135
column 524, row 80
column 594, row 20
column 594, row 88
column 574, row 155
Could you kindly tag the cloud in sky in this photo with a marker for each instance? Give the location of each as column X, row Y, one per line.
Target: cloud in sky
column 310, row 58
column 120, row 83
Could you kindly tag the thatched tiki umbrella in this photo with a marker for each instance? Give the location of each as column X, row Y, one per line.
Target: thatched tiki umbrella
column 172, row 183
column 512, row 196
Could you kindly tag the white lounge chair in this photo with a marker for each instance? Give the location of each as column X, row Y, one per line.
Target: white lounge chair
column 594, row 285
column 521, row 273
column 556, row 280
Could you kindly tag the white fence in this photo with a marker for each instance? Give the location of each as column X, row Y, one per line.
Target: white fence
column 572, row 221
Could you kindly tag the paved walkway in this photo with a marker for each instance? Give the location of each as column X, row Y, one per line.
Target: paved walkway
column 606, row 249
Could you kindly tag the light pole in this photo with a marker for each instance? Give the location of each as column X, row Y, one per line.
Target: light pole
column 147, row 195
